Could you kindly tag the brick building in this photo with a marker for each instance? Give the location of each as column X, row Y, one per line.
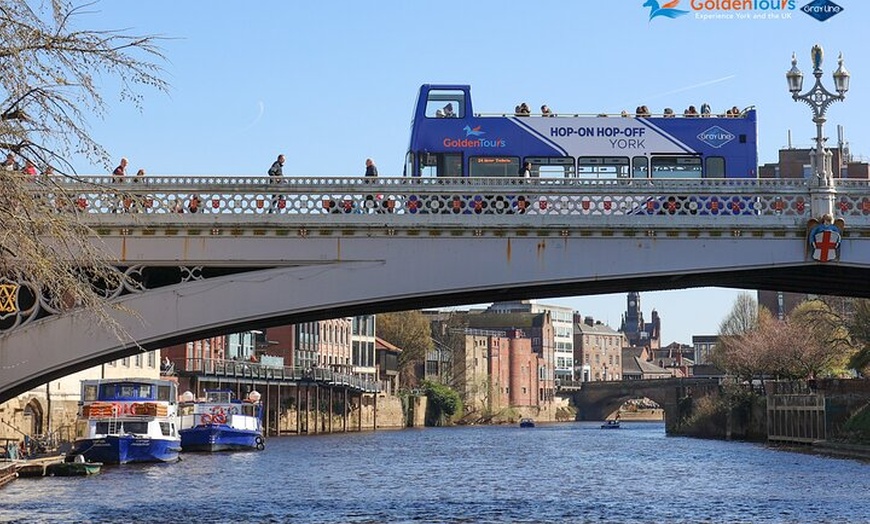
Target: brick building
column 597, row 350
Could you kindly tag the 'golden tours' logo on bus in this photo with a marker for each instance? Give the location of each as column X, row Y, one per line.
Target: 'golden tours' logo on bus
column 8, row 298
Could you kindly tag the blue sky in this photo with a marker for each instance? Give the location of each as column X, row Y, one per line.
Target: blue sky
column 331, row 83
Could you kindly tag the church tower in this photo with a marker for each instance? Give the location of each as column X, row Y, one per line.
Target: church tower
column 632, row 320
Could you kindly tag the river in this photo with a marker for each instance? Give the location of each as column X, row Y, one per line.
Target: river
column 571, row 472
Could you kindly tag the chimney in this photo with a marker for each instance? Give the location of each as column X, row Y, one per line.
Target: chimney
column 589, row 321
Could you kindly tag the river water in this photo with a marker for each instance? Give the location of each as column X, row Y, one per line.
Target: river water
column 572, row 472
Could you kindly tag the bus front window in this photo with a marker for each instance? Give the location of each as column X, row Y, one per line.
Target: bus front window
column 444, row 103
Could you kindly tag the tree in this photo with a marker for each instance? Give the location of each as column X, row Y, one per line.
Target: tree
column 859, row 328
column 735, row 353
column 410, row 331
column 443, row 403
column 821, row 343
column 49, row 90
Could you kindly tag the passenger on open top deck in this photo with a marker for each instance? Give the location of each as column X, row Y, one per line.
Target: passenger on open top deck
column 545, row 111
column 705, row 110
column 523, row 110
column 690, row 112
column 448, row 111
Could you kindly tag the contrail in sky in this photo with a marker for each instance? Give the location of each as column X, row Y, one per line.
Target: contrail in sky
column 694, row 86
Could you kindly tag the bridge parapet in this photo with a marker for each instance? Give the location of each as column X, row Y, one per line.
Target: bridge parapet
column 749, row 201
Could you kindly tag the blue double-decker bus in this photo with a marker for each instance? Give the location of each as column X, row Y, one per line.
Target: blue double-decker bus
column 448, row 139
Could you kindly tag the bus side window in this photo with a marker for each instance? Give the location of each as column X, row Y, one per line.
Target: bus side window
column 715, row 167
column 440, row 164
column 428, row 164
column 640, row 167
column 452, row 165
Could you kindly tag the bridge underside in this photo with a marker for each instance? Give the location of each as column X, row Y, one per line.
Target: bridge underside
column 291, row 280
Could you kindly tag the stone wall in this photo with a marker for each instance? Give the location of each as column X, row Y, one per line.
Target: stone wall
column 390, row 415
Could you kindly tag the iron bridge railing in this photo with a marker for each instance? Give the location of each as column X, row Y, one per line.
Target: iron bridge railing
column 321, row 199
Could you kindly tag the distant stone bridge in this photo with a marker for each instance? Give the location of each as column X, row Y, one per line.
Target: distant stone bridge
column 601, row 400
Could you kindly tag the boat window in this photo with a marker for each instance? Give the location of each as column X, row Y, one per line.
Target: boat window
column 109, row 391
column 135, row 427
column 438, row 99
column 676, row 167
column 165, row 429
column 144, row 390
column 493, row 166
column 603, row 167
column 164, row 393
column 102, row 428
column 89, row 392
column 126, row 391
column 551, row 167
column 715, row 167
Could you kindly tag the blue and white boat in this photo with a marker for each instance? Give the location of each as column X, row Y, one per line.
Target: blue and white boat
column 128, row 420
column 221, row 423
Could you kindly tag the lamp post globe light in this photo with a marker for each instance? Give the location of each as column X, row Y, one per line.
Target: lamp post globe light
column 819, row 98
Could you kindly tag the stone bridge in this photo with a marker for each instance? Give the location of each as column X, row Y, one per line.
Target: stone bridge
column 601, row 400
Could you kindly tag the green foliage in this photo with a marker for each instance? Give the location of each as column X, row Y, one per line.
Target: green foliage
column 443, row 403
column 857, row 428
column 859, row 328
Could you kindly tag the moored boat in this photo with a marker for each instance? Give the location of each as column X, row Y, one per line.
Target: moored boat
column 221, row 423
column 128, row 420
column 527, row 422
column 74, row 467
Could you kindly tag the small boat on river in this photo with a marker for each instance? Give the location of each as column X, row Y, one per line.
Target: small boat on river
column 75, row 466
column 221, row 423
column 527, row 422
column 610, row 424
column 128, row 420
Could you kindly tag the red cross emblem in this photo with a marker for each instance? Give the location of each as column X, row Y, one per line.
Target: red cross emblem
column 825, row 241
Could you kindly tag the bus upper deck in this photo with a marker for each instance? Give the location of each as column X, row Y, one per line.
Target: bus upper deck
column 449, row 139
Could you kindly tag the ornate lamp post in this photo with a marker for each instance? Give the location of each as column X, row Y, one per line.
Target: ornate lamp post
column 819, row 98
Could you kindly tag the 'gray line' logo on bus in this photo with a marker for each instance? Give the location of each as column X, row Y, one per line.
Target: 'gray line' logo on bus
column 715, row 137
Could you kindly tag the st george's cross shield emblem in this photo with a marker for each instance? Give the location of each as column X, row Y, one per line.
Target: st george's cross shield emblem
column 825, row 242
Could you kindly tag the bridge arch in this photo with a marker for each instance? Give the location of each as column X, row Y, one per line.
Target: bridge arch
column 306, row 262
